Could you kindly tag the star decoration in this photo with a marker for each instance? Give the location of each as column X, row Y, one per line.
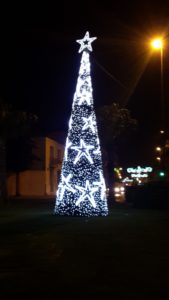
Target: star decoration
column 65, row 185
column 85, row 43
column 87, row 193
column 89, row 123
column 83, row 150
column 68, row 144
column 101, row 184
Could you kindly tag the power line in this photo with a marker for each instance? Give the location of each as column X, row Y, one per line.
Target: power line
column 110, row 75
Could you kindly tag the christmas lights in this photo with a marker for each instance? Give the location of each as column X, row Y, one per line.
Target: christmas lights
column 83, row 150
column 140, row 170
column 65, row 185
column 101, row 184
column 68, row 144
column 89, row 123
column 85, row 43
column 82, row 189
column 87, row 192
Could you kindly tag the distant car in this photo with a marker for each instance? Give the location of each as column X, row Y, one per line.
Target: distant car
column 119, row 192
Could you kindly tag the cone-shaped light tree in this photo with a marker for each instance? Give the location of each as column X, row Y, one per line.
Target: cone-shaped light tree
column 81, row 190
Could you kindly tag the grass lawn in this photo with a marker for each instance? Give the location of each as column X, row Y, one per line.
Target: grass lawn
column 122, row 256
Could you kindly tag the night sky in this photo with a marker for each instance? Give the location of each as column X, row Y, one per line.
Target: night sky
column 39, row 62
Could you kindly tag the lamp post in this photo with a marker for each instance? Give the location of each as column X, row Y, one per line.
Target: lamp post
column 158, row 44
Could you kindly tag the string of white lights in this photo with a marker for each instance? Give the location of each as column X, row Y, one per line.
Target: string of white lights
column 82, row 189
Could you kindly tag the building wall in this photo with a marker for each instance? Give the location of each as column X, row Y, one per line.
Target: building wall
column 31, row 183
column 11, row 184
column 38, row 153
column 43, row 177
column 53, row 164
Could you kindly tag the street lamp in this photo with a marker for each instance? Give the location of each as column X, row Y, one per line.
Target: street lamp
column 157, row 44
column 158, row 149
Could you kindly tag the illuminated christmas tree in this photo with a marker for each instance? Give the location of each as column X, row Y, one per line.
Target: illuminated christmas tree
column 82, row 189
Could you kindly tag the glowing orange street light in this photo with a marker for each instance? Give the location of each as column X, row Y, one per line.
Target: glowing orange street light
column 157, row 44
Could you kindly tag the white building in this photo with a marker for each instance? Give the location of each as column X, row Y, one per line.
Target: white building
column 42, row 178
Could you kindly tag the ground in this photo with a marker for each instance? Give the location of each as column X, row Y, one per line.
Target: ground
column 122, row 256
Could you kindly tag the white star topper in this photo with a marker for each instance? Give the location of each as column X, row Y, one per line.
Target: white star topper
column 85, row 43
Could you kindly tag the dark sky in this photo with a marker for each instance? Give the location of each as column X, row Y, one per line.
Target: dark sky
column 39, row 61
